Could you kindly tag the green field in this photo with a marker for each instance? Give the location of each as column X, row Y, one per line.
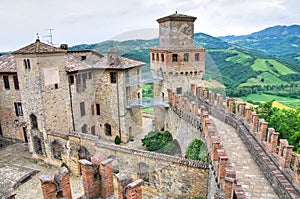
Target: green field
column 241, row 58
column 271, row 66
column 287, row 101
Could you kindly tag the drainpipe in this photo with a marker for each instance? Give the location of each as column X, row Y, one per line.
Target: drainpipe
column 118, row 104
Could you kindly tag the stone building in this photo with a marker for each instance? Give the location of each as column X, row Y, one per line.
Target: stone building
column 52, row 91
column 179, row 60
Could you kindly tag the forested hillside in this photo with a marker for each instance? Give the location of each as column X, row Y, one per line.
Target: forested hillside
column 244, row 64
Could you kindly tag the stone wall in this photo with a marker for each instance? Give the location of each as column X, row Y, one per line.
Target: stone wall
column 169, row 175
column 11, row 122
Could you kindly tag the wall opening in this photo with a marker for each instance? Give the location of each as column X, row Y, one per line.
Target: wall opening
column 107, row 128
column 56, row 149
column 37, row 143
column 33, row 121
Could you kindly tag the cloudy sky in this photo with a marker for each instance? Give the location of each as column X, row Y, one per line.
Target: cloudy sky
column 92, row 21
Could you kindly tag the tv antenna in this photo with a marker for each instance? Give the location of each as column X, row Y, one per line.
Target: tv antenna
column 50, row 36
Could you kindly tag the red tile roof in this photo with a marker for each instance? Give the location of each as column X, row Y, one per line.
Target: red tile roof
column 39, row 47
column 122, row 63
column 73, row 64
column 8, row 64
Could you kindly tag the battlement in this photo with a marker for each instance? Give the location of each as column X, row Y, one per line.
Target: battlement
column 278, row 163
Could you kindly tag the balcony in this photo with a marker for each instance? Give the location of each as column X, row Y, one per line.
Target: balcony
column 144, row 78
column 147, row 102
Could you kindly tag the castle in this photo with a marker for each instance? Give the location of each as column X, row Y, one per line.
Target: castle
column 65, row 103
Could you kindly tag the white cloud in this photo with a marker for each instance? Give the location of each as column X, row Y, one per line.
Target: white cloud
column 92, row 21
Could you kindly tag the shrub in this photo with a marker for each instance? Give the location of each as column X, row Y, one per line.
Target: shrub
column 117, row 140
column 156, row 140
column 196, row 151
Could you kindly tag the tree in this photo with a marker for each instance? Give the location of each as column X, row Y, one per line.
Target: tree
column 156, row 140
column 196, row 150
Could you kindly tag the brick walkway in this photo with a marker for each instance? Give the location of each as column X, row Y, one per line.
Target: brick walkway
column 252, row 179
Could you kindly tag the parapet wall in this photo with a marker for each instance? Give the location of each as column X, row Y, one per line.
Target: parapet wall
column 223, row 181
column 164, row 174
column 278, row 163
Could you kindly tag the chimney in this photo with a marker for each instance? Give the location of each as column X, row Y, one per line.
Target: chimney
column 64, row 46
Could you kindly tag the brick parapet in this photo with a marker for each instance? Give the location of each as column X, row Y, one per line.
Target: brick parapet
column 264, row 152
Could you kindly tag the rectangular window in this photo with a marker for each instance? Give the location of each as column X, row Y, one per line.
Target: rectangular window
column 6, row 82
column 197, row 58
column 179, row 90
column 153, row 57
column 83, row 58
column 71, row 79
column 98, row 109
column 1, row 134
column 157, row 57
column 92, row 109
column 113, row 77
column 84, row 128
column 90, row 75
column 82, row 109
column 18, row 109
column 174, row 57
column 56, row 86
column 84, row 77
column 93, row 130
column 16, row 82
column 162, row 57
column 186, row 57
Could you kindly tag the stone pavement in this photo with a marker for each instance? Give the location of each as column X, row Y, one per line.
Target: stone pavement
column 255, row 185
column 17, row 167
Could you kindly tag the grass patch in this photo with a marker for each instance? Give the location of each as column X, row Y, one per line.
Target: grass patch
column 271, row 66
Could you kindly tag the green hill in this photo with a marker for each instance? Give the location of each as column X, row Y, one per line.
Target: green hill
column 242, row 68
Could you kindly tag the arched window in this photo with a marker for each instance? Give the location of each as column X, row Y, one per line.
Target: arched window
column 107, row 129
column 33, row 121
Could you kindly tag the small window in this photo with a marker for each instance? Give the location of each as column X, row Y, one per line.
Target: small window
column 18, row 109
column 6, row 82
column 98, row 109
column 84, row 129
column 84, row 77
column 83, row 58
column 82, row 109
column 1, row 134
column 90, row 75
column 162, row 56
column 153, row 57
column 56, row 86
column 186, row 57
column 28, row 64
column 197, row 58
column 107, row 129
column 71, row 79
column 113, row 77
column 93, row 130
column 179, row 90
column 174, row 57
column 157, row 57
column 25, row 64
column 16, row 82
column 92, row 109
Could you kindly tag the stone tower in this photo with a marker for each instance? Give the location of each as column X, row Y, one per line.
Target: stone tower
column 44, row 93
column 179, row 60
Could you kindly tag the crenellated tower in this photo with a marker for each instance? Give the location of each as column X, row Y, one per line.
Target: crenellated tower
column 179, row 60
